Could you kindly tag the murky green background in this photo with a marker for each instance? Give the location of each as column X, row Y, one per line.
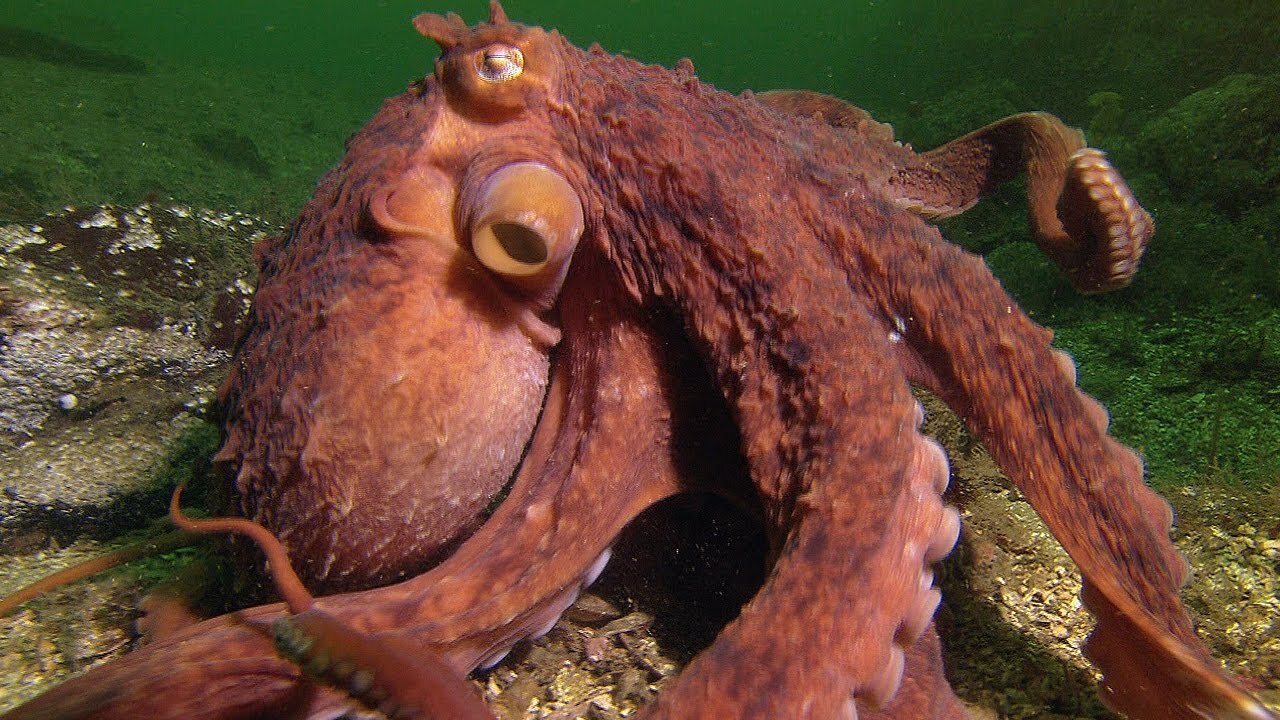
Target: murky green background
column 296, row 76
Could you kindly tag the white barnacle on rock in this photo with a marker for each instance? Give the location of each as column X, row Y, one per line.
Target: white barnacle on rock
column 13, row 237
column 140, row 233
column 104, row 218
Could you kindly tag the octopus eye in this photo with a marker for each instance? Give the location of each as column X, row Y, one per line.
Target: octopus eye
column 526, row 222
column 500, row 63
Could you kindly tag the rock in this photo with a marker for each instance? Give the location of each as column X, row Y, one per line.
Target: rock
column 115, row 329
column 1221, row 145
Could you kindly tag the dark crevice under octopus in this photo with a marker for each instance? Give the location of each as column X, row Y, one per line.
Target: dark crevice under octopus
column 617, row 284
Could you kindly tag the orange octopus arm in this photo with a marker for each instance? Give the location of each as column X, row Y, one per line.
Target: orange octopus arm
column 400, row 682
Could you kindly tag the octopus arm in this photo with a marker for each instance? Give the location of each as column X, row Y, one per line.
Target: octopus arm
column 225, row 667
column 965, row 339
column 1081, row 211
column 851, row 589
column 400, row 680
column 849, row 487
column 226, row 660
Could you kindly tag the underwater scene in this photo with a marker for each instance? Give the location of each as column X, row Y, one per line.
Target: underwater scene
column 146, row 148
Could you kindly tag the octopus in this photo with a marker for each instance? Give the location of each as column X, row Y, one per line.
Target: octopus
column 606, row 284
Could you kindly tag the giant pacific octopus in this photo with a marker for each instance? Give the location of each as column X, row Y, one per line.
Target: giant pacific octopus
column 617, row 284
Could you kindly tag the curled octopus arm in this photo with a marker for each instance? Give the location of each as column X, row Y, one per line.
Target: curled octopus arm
column 246, row 664
column 1081, row 210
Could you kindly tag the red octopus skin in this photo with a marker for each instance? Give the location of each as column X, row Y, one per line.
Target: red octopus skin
column 754, row 290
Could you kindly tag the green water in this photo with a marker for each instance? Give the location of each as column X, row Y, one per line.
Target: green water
column 296, row 77
column 242, row 104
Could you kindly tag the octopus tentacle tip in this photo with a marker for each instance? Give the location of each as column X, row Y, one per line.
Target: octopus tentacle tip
column 289, row 586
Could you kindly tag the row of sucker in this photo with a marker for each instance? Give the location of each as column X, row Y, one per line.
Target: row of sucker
column 1098, row 414
column 1153, row 505
column 297, row 646
column 1128, row 225
column 928, row 477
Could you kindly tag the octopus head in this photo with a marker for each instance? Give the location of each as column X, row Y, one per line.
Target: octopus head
column 418, row 293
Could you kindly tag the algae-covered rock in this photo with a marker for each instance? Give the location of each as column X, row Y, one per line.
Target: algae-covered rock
column 1221, row 145
column 1108, row 114
column 115, row 329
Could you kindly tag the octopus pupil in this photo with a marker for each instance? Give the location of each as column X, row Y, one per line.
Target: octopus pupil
column 521, row 243
column 501, row 63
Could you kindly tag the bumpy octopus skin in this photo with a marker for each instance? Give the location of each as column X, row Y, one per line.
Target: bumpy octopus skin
column 752, row 291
